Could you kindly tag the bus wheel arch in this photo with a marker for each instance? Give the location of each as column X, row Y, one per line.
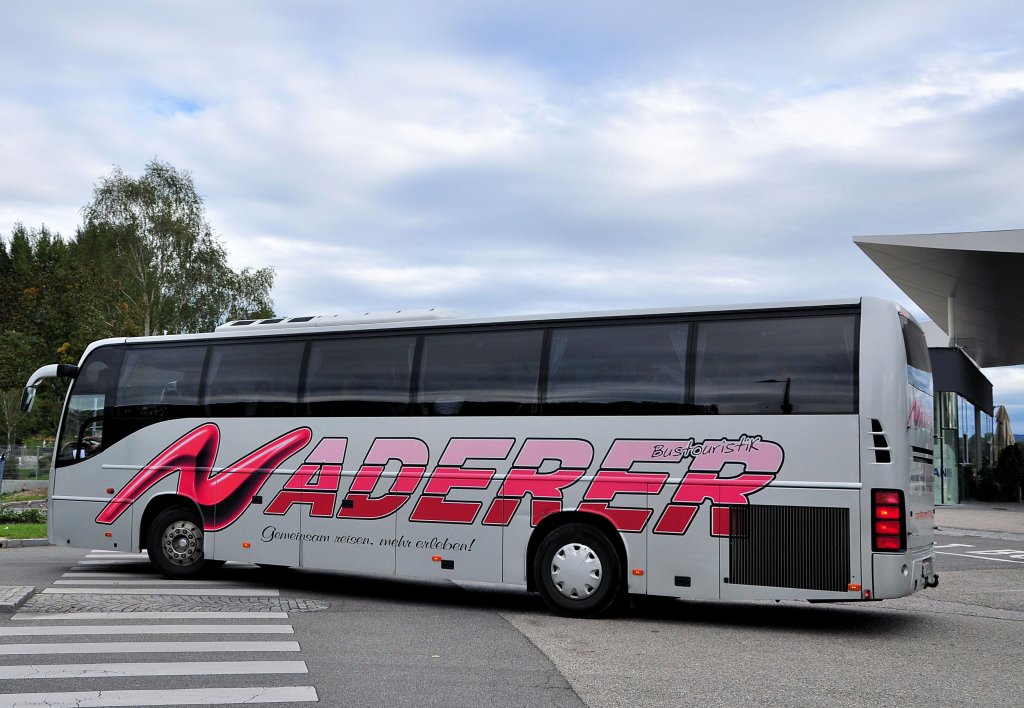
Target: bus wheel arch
column 593, row 542
column 172, row 533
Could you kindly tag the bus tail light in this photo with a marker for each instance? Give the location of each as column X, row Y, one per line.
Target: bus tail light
column 889, row 526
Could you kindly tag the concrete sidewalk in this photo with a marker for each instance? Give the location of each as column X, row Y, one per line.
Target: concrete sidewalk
column 982, row 518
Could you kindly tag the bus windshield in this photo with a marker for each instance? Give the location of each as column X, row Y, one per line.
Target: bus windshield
column 81, row 434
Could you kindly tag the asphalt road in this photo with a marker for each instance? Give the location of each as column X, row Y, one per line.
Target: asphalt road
column 378, row 642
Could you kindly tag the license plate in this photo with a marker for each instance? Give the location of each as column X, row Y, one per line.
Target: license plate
column 926, row 567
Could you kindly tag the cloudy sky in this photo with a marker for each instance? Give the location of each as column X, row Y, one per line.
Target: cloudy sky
column 511, row 157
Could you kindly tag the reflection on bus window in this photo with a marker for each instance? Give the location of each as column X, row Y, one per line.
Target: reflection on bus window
column 359, row 376
column 635, row 369
column 480, row 373
column 777, row 365
column 254, row 379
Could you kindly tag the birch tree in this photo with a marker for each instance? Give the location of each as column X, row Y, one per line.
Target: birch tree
column 173, row 270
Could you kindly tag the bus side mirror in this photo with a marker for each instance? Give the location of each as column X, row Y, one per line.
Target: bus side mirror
column 28, row 397
column 49, row 371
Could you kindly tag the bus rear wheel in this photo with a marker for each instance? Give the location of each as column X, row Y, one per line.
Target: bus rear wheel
column 578, row 571
column 175, row 543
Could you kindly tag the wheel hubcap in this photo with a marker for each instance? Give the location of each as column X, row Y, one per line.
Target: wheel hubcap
column 183, row 543
column 576, row 571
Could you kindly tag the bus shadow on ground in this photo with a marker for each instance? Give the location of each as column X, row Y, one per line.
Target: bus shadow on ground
column 806, row 617
column 332, row 586
column 811, row 618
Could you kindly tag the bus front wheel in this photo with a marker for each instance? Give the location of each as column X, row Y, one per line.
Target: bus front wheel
column 175, row 543
column 578, row 571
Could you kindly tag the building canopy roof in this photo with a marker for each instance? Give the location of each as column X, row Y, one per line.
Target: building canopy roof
column 972, row 283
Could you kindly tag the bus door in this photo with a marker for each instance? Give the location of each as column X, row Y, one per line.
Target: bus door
column 357, row 533
column 443, row 533
column 249, row 525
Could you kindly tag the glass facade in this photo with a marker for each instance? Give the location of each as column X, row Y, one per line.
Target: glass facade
column 963, row 445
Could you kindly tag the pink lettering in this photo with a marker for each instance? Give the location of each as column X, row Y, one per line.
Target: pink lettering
column 411, row 453
column 316, row 482
column 615, row 477
column 221, row 497
column 525, row 477
column 450, row 474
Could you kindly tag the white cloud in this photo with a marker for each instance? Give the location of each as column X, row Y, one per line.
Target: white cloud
column 529, row 156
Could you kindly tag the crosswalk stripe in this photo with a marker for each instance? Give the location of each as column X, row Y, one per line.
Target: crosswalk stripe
column 109, row 552
column 151, row 581
column 65, row 630
column 162, row 697
column 147, row 668
column 141, row 647
column 114, row 554
column 71, row 574
column 98, row 575
column 115, row 561
column 197, row 614
column 220, row 592
column 96, row 565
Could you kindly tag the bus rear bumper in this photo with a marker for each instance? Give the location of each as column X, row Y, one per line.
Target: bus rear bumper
column 898, row 575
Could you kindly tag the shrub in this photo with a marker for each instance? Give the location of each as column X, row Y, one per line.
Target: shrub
column 1010, row 472
column 986, row 489
column 22, row 516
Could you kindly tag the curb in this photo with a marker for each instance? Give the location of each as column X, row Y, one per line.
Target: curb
column 1003, row 535
column 13, row 597
column 23, row 542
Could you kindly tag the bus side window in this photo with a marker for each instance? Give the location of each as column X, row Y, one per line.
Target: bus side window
column 777, row 365
column 480, row 373
column 630, row 369
column 157, row 383
column 254, row 378
column 369, row 376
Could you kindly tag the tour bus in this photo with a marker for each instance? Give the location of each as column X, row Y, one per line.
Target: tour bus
column 737, row 453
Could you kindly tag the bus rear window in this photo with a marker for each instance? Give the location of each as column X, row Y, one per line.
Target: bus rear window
column 919, row 364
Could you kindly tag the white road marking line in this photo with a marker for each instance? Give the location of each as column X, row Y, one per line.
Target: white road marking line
column 219, row 592
column 107, row 550
column 112, row 555
column 165, row 697
column 155, row 668
column 114, row 561
column 142, row 647
column 95, row 574
column 139, row 562
column 198, row 614
column 64, row 630
column 152, row 581
column 977, row 557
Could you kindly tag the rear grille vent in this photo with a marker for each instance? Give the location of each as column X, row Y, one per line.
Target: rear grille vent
column 789, row 547
column 880, row 444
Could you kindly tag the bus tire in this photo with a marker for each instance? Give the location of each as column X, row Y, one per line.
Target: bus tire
column 578, row 571
column 175, row 543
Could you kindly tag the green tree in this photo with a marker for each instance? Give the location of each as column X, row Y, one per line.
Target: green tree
column 45, row 318
column 171, row 269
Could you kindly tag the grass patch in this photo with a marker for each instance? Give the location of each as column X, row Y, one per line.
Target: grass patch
column 22, row 530
column 27, row 495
